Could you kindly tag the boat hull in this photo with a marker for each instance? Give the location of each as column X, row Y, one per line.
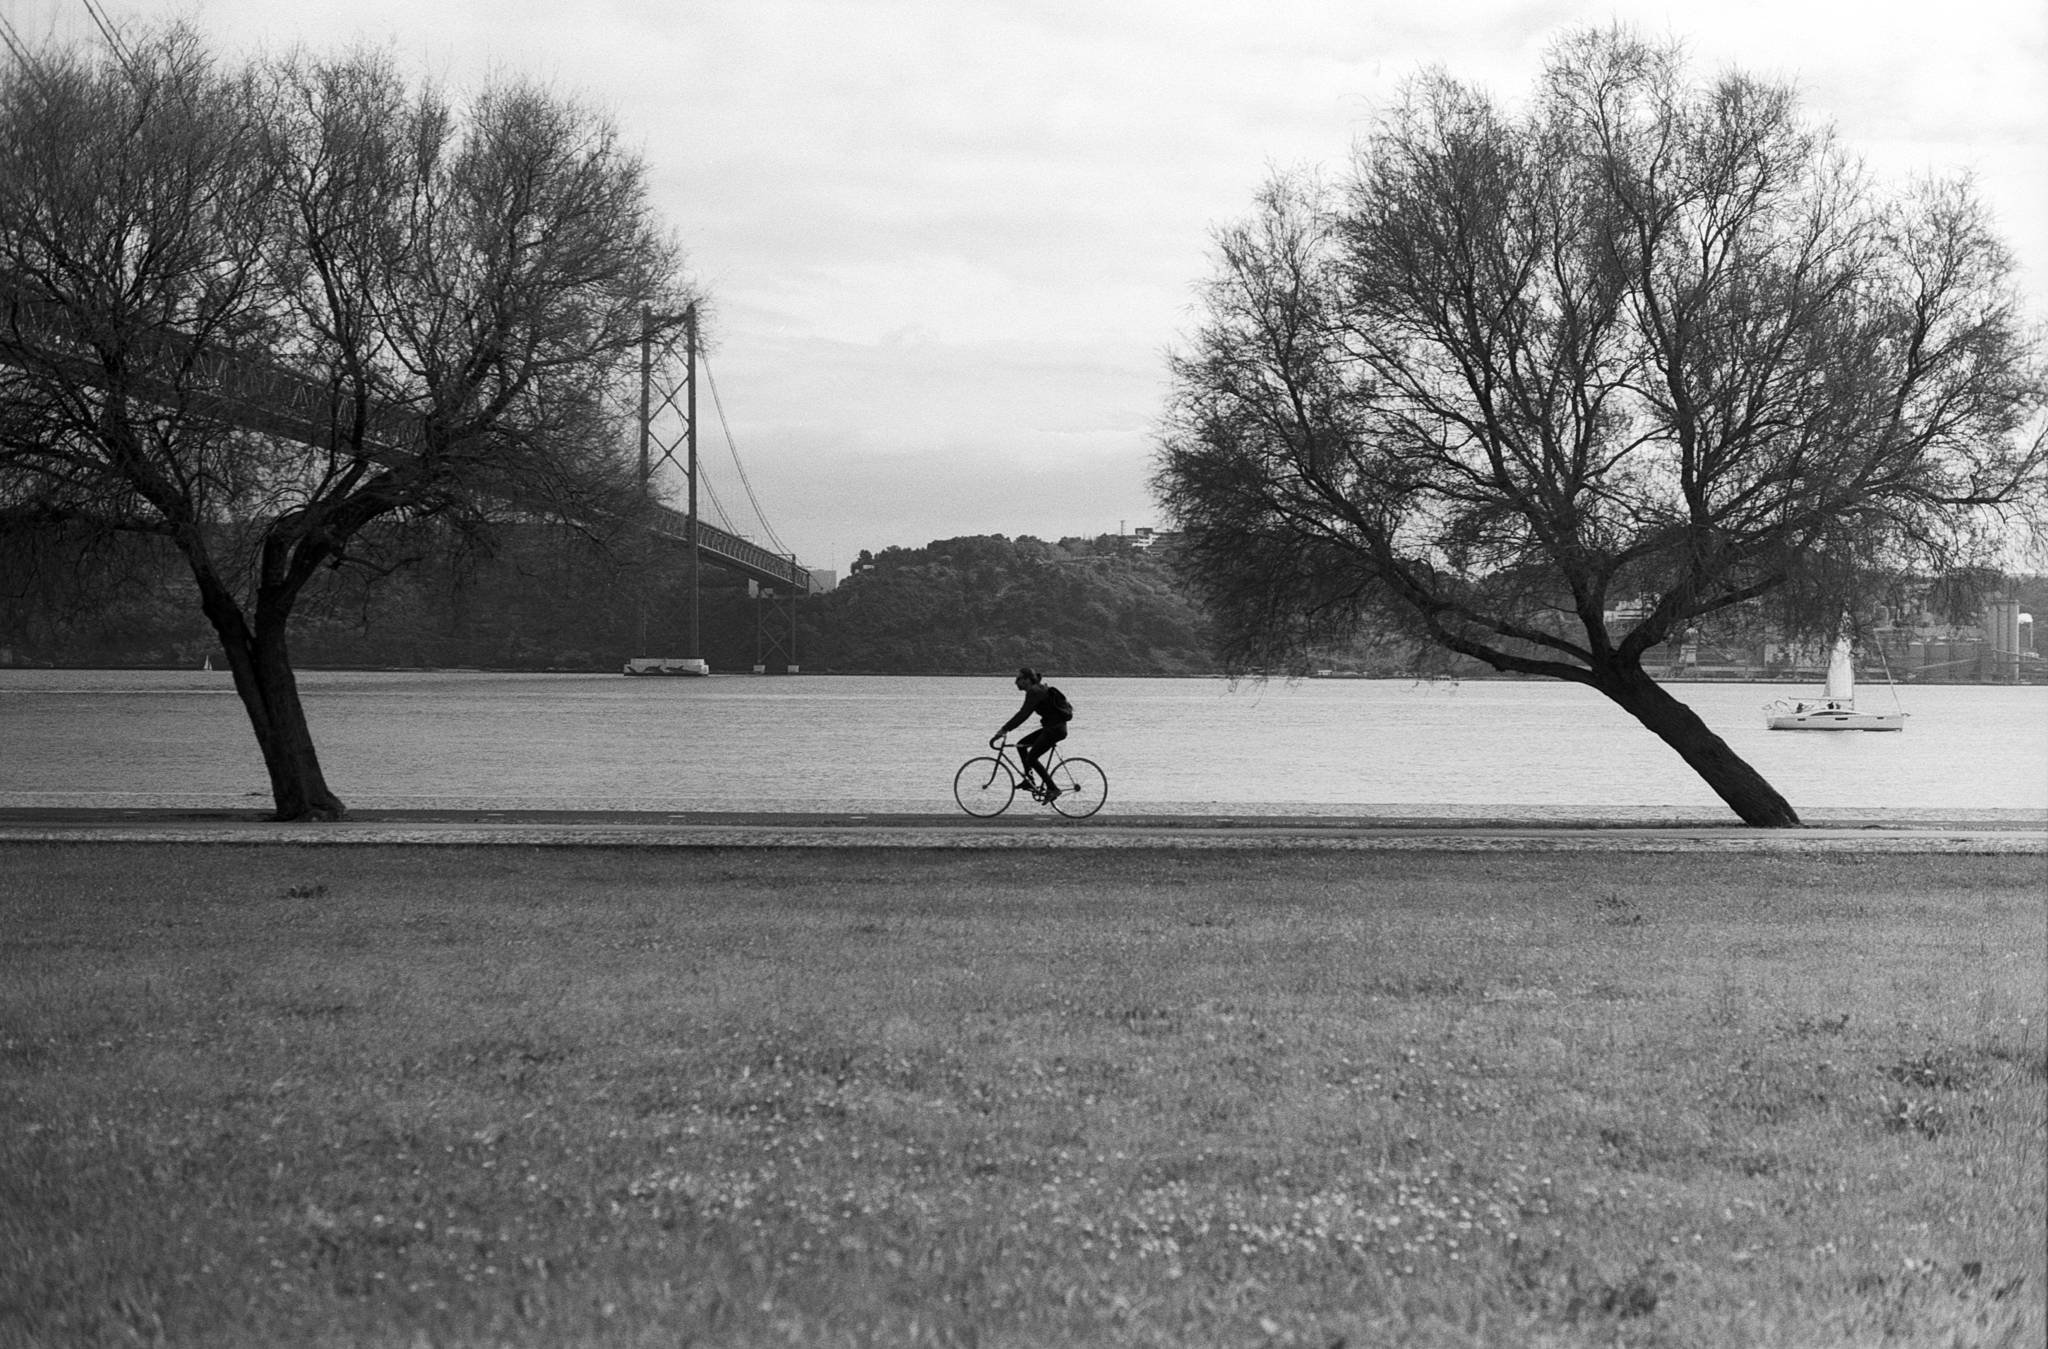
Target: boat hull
column 1836, row 719
column 666, row 666
column 1835, row 709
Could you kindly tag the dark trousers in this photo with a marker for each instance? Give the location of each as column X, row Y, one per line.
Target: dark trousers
column 1033, row 747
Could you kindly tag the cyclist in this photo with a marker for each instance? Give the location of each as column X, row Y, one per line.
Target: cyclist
column 1054, row 712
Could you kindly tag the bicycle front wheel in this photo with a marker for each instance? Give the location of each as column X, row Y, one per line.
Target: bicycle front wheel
column 1083, row 788
column 984, row 786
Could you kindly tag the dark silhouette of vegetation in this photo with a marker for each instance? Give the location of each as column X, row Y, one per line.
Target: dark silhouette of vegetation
column 986, row 603
column 548, row 597
column 1550, row 387
column 541, row 597
column 298, row 317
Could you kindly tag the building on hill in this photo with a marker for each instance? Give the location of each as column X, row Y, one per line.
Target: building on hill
column 1144, row 537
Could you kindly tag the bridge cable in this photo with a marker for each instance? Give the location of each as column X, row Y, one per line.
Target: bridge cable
column 668, row 456
column 717, row 506
column 734, row 450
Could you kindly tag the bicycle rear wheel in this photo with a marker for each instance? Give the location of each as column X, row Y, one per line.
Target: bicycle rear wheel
column 983, row 786
column 1083, row 787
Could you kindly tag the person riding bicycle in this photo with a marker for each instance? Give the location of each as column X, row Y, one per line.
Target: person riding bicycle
column 1054, row 712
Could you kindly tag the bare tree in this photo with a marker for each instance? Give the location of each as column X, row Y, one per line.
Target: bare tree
column 275, row 314
column 1650, row 340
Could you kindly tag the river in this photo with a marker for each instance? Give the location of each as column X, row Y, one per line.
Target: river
column 1514, row 749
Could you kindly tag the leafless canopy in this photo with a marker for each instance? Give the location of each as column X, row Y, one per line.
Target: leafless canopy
column 259, row 311
column 1651, row 344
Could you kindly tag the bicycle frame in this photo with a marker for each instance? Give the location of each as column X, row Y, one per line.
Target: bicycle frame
column 1082, row 784
column 1013, row 759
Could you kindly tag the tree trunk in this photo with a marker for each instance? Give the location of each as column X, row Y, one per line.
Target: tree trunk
column 1733, row 780
column 270, row 694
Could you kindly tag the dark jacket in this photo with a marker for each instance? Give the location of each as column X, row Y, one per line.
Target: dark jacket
column 1041, row 699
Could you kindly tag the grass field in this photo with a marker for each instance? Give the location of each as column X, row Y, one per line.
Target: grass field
column 508, row 1097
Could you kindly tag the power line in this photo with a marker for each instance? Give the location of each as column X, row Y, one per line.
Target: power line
column 12, row 41
column 113, row 38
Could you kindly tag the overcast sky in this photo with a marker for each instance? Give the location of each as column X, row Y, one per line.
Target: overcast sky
column 949, row 242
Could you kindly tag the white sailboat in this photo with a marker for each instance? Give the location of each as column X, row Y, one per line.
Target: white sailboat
column 1835, row 709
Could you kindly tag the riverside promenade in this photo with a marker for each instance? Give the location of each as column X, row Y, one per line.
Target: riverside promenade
column 1846, row 832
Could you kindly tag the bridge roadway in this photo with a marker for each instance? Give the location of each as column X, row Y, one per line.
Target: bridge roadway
column 2022, row 833
column 261, row 395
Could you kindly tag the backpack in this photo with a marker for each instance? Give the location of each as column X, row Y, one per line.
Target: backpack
column 1058, row 703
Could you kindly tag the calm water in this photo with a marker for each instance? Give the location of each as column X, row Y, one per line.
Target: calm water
column 518, row 741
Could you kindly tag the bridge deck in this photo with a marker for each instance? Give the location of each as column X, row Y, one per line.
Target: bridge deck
column 260, row 395
column 733, row 552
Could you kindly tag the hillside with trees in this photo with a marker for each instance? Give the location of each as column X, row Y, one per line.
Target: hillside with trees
column 548, row 598
column 982, row 603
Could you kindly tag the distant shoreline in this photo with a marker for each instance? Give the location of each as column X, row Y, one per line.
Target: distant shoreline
column 1841, row 833
column 1762, row 681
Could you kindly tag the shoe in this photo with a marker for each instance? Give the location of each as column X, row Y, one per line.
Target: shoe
column 1052, row 793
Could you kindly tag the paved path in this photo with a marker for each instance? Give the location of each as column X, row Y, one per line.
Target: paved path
column 765, row 830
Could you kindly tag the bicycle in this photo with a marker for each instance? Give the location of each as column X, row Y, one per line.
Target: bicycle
column 986, row 783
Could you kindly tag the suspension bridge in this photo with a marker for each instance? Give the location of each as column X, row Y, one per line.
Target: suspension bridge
column 670, row 357
column 255, row 393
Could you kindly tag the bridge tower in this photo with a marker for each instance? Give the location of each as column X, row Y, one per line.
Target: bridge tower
column 670, row 352
column 668, row 426
column 775, row 611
